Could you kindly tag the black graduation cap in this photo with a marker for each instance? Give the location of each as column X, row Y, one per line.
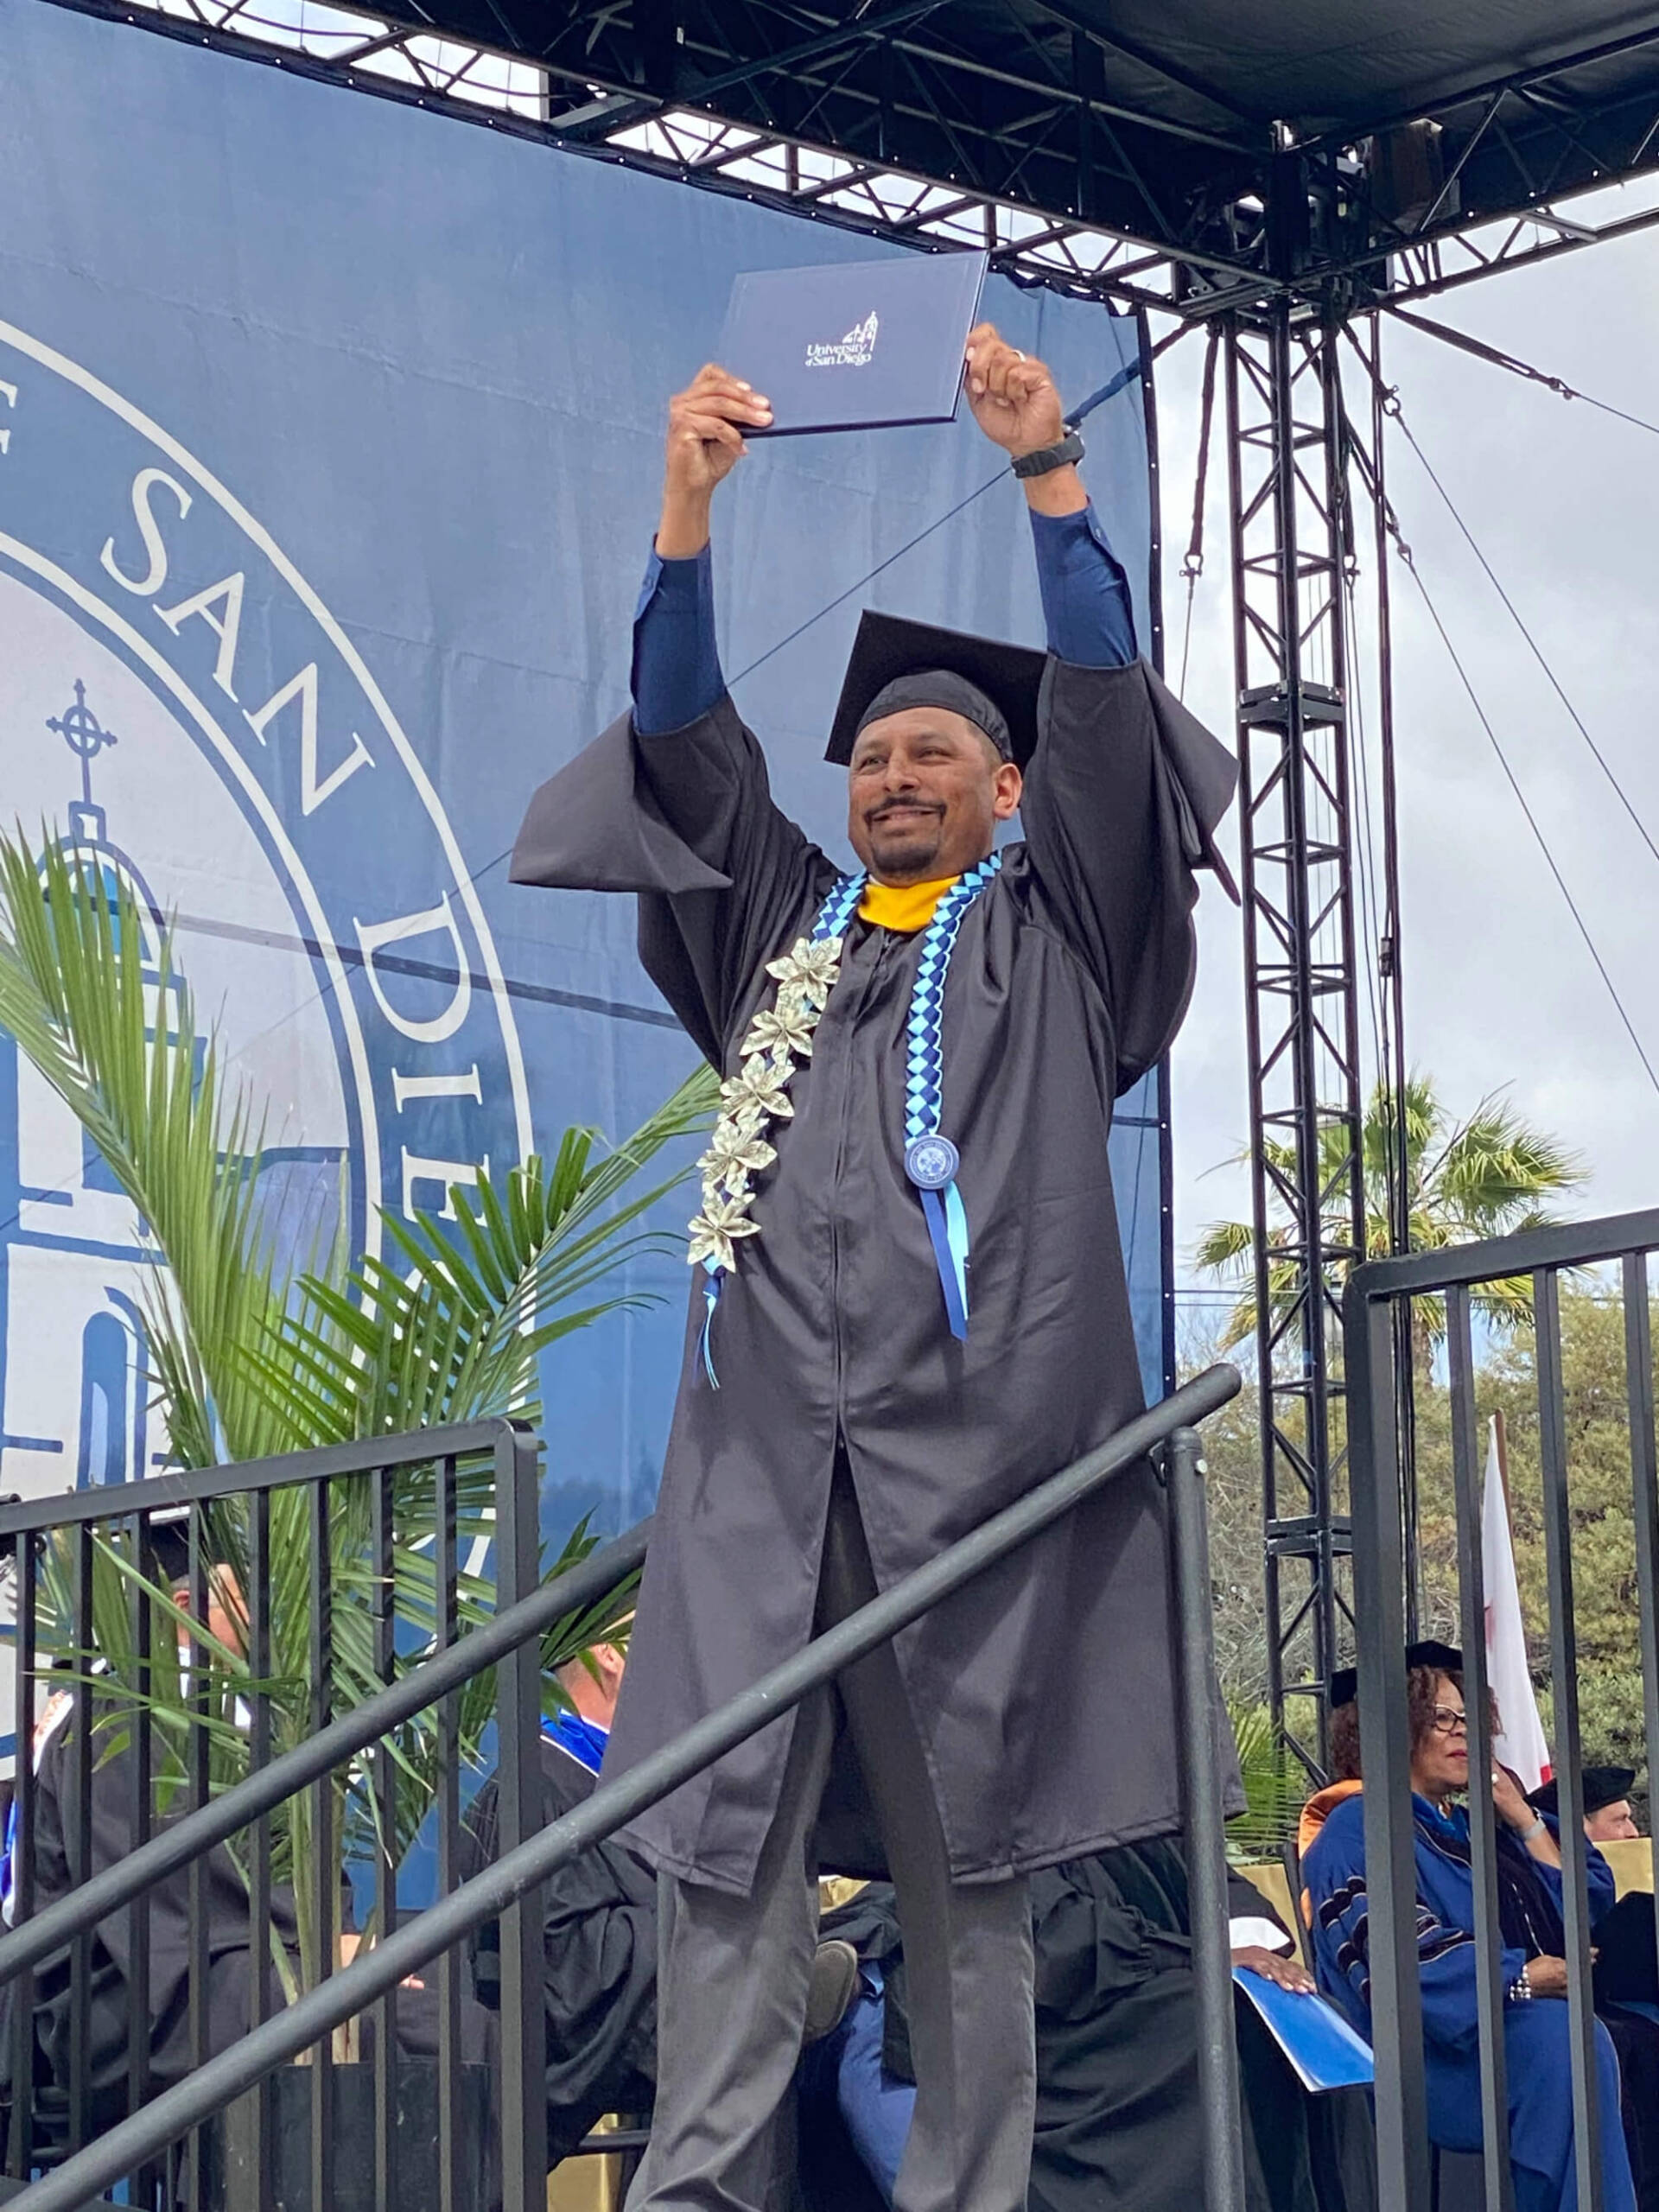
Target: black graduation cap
column 888, row 647
column 1344, row 1683
column 169, row 1545
column 1603, row 1786
column 1200, row 774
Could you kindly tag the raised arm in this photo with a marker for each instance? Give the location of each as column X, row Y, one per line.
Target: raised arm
column 1086, row 605
column 1125, row 787
column 677, row 675
column 672, row 800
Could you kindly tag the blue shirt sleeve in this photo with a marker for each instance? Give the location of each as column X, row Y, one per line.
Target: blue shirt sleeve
column 1086, row 604
column 676, row 677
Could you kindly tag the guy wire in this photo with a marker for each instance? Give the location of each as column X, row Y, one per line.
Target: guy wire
column 1520, row 800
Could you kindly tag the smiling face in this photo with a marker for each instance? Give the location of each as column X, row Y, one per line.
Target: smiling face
column 925, row 791
column 1440, row 1752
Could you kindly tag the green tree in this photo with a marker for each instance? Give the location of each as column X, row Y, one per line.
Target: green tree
column 1601, row 1520
column 1489, row 1175
column 1600, row 1514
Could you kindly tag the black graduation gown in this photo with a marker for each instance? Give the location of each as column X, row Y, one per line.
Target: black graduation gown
column 230, row 1939
column 599, row 1946
column 1116, row 2127
column 1117, row 2120
column 1043, row 1694
column 1627, row 1974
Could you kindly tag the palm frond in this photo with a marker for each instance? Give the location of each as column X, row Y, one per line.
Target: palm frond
column 90, row 990
column 1274, row 1786
column 450, row 1326
column 1486, row 1176
column 1226, row 1247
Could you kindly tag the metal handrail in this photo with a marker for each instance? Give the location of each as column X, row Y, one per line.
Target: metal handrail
column 1560, row 1244
column 239, row 1477
column 373, row 1973
column 183, row 1842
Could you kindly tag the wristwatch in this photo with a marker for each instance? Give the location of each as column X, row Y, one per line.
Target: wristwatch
column 1070, row 449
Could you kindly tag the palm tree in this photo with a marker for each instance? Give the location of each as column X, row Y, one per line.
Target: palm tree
column 1487, row 1176
column 249, row 1363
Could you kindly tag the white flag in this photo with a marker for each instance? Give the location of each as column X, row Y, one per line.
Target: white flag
column 1520, row 1743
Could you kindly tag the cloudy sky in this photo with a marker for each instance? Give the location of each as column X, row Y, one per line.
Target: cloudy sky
column 1501, row 990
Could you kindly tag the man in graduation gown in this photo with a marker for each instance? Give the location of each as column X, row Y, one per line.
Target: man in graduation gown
column 1626, row 1973
column 1607, row 1814
column 599, row 1929
column 232, row 1948
column 892, row 1337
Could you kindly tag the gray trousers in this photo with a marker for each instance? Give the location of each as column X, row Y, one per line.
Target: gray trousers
column 732, row 1971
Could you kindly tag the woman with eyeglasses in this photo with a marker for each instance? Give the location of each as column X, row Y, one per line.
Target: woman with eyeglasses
column 1529, row 1911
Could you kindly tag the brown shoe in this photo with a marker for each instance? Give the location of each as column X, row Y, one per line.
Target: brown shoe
column 835, row 1978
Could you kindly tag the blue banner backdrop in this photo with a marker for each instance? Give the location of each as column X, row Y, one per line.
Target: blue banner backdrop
column 329, row 450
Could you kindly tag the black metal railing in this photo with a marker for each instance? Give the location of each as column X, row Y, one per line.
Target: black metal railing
column 418, row 1498
column 1375, row 1293
column 506, row 1889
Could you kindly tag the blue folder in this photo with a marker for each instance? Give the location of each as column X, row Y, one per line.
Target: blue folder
column 1323, row 2051
column 855, row 345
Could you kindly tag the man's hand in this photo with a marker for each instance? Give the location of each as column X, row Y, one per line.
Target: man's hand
column 1288, row 1973
column 1016, row 403
column 706, row 422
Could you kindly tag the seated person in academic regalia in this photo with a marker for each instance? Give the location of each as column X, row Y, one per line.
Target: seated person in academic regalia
column 599, row 1929
column 1536, row 2030
column 1626, row 1975
column 1607, row 1814
column 50, row 1845
column 1117, row 2115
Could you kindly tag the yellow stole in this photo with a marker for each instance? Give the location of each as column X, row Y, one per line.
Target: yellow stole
column 906, row 907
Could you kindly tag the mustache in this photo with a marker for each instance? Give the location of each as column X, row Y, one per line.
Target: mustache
column 903, row 805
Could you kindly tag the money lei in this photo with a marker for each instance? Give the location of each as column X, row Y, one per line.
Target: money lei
column 778, row 1040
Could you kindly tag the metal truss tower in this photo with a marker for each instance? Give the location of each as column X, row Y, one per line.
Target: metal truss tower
column 1293, row 556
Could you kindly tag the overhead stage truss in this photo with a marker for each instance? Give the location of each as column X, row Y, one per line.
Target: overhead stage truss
column 1076, row 153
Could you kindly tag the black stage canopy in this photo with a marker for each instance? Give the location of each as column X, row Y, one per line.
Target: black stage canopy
column 1179, row 154
column 1295, row 141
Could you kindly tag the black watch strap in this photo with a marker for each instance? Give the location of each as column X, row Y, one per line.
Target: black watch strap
column 1070, row 449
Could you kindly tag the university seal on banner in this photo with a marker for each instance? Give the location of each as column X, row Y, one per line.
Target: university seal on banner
column 183, row 706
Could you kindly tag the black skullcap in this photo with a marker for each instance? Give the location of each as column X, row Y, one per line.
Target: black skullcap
column 1603, row 1786
column 1344, row 1682
column 938, row 668
column 940, row 687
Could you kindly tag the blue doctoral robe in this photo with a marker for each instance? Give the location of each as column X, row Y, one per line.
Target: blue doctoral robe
column 1535, row 2032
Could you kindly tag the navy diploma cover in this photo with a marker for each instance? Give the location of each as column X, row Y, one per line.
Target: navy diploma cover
column 857, row 346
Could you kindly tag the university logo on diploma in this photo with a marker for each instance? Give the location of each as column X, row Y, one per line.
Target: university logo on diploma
column 184, row 710
column 855, row 351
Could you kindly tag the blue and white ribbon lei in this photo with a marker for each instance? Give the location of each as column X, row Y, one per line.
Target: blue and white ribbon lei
column 781, row 1036
column 931, row 1159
